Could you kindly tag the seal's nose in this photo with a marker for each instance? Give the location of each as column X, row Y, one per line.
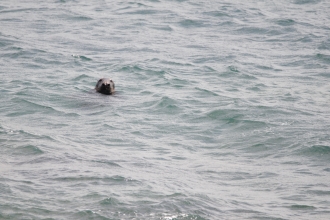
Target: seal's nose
column 107, row 87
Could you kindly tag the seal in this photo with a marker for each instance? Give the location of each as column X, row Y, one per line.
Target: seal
column 105, row 86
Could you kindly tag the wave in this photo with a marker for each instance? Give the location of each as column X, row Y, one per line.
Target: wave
column 317, row 151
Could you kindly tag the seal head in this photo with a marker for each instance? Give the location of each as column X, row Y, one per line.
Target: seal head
column 105, row 86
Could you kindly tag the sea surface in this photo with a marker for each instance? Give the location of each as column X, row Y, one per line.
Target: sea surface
column 221, row 110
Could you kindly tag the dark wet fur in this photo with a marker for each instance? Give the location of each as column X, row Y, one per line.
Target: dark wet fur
column 105, row 86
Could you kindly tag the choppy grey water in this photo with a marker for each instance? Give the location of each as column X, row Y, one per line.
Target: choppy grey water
column 221, row 110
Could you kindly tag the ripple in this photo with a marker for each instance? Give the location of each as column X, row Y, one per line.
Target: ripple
column 302, row 207
column 82, row 77
column 285, row 22
column 217, row 14
column 89, row 214
column 28, row 150
column 30, row 108
column 108, row 163
column 143, row 12
column 163, row 27
column 81, row 57
column 114, row 180
column 301, row 2
column 167, row 105
column 323, row 57
column 189, row 23
column 109, row 202
column 317, row 150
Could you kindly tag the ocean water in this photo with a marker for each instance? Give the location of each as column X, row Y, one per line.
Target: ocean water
column 222, row 109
